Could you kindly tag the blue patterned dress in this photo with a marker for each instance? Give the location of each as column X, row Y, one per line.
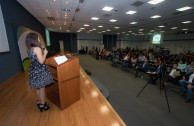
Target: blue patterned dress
column 39, row 74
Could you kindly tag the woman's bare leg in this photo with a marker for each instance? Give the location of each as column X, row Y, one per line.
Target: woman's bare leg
column 42, row 95
column 38, row 95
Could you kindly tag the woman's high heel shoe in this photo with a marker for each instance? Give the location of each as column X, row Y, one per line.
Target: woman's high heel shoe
column 44, row 107
column 38, row 103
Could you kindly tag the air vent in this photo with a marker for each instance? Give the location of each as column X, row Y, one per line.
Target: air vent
column 177, row 13
column 107, row 15
column 65, row 9
column 51, row 18
column 139, row 19
column 81, row 1
column 137, row 3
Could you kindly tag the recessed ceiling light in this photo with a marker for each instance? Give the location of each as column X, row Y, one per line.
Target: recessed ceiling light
column 184, row 8
column 174, row 27
column 185, row 22
column 155, row 1
column 103, row 31
column 66, row 2
column 129, row 31
column 86, row 25
column 100, row 26
column 133, row 23
column 141, row 29
column 112, row 20
column 94, row 29
column 78, row 31
column 185, row 29
column 94, row 18
column 123, row 32
column 131, row 12
column 155, row 16
column 82, row 28
column 54, row 0
column 99, row 32
column 107, row 8
column 108, row 30
column 118, row 33
column 162, row 26
column 90, row 30
column 117, row 27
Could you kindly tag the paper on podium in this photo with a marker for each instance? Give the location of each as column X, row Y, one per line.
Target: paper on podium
column 60, row 59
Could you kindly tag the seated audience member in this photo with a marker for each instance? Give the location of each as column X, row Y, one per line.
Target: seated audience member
column 141, row 57
column 133, row 61
column 107, row 54
column 144, row 67
column 115, row 60
column 188, row 81
column 155, row 72
column 189, row 68
column 151, row 57
column 171, row 74
column 126, row 62
column 181, row 66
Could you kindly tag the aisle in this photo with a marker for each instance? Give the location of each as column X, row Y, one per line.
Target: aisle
column 149, row 109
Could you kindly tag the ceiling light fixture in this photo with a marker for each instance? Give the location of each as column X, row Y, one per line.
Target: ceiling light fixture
column 155, row 16
column 129, row 31
column 185, row 29
column 117, row 27
column 174, row 27
column 141, row 29
column 82, row 28
column 100, row 26
column 155, row 1
column 108, row 30
column 186, row 22
column 94, row 18
column 184, row 8
column 107, row 8
column 86, row 25
column 162, row 26
column 112, row 20
column 131, row 12
column 133, row 23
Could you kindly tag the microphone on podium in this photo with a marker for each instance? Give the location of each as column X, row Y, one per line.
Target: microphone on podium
column 43, row 47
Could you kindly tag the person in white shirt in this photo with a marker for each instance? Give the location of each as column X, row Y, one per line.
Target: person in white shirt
column 171, row 74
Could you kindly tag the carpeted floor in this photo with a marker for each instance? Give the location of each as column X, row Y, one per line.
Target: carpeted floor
column 150, row 108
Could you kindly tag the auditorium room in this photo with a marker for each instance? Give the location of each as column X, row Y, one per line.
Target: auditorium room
column 96, row 62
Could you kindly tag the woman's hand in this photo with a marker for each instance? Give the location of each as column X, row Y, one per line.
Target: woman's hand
column 45, row 51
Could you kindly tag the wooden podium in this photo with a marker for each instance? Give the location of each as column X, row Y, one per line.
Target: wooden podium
column 66, row 89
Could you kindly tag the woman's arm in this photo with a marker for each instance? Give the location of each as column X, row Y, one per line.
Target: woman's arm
column 38, row 52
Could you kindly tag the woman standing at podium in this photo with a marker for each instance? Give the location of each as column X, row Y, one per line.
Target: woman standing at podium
column 39, row 74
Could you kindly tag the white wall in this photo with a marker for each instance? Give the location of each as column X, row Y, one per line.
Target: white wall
column 90, row 40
